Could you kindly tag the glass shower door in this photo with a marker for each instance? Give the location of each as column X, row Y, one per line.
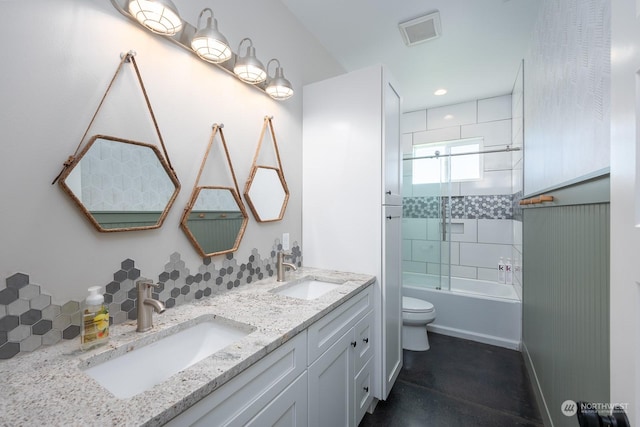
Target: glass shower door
column 445, row 223
column 427, row 213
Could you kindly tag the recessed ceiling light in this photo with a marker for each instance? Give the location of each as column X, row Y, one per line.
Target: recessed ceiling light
column 440, row 92
column 448, row 117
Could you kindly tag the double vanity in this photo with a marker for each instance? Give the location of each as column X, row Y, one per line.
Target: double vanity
column 265, row 352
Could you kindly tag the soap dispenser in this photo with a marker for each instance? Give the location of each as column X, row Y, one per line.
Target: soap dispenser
column 95, row 320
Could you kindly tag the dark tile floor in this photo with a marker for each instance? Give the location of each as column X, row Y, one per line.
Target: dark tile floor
column 459, row 383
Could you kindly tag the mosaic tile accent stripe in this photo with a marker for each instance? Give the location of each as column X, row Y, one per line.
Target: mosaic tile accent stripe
column 29, row 321
column 517, row 209
column 489, row 207
column 499, row 206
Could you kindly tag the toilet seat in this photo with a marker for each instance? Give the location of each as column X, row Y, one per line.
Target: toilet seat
column 415, row 305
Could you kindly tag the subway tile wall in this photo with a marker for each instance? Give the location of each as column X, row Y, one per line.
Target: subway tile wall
column 29, row 320
column 485, row 215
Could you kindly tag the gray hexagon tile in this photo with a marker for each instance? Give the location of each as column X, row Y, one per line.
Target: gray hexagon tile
column 29, row 292
column 52, row 337
column 29, row 320
column 51, row 312
column 30, row 343
column 17, row 281
column 62, row 321
column 19, row 333
column 8, row 295
column 17, row 307
column 40, row 302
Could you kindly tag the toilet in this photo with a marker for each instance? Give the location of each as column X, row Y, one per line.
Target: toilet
column 416, row 314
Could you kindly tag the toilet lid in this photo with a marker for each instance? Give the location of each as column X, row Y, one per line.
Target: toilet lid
column 415, row 305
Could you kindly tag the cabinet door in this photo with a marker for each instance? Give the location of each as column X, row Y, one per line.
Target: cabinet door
column 391, row 298
column 288, row 409
column 392, row 150
column 331, row 385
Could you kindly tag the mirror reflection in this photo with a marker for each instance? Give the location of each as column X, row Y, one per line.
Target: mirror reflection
column 121, row 185
column 267, row 193
column 216, row 222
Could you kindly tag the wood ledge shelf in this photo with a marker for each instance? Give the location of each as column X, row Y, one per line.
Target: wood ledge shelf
column 537, row 200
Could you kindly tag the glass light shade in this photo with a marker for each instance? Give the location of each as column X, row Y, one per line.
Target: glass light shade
column 279, row 88
column 249, row 69
column 209, row 44
column 159, row 16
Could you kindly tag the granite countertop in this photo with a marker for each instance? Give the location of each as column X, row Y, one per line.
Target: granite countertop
column 49, row 386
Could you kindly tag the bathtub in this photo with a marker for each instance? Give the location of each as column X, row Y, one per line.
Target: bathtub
column 477, row 310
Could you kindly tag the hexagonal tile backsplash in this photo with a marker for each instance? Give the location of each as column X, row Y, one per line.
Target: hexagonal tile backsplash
column 28, row 319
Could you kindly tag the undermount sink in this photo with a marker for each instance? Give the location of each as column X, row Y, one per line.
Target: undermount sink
column 307, row 288
column 140, row 368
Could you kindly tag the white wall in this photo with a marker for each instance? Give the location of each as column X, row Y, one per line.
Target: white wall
column 59, row 59
column 625, row 208
column 567, row 78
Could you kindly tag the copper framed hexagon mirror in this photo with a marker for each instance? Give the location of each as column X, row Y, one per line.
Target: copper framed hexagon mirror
column 121, row 185
column 266, row 190
column 215, row 218
column 216, row 222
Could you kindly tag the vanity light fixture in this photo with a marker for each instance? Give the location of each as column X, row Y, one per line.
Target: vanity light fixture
column 278, row 87
column 160, row 16
column 248, row 68
column 208, row 43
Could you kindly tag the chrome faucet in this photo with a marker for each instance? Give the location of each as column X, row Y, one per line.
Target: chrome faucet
column 147, row 305
column 281, row 265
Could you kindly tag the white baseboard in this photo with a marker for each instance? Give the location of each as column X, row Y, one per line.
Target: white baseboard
column 474, row 336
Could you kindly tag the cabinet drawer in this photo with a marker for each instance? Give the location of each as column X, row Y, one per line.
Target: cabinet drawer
column 326, row 331
column 363, row 391
column 364, row 344
column 242, row 398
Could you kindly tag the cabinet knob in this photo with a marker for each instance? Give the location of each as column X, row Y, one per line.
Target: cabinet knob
column 366, row 389
column 366, row 340
column 353, row 344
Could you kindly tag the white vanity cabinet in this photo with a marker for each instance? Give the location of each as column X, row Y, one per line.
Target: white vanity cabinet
column 272, row 392
column 321, row 377
column 340, row 355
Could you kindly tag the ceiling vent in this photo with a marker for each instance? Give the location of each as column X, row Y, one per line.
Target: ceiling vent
column 421, row 29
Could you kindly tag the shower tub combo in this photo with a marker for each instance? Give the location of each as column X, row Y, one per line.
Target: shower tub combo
column 472, row 309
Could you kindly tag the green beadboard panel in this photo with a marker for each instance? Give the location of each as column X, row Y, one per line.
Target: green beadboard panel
column 566, row 305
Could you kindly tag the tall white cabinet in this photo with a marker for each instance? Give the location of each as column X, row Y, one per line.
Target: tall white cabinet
column 351, row 198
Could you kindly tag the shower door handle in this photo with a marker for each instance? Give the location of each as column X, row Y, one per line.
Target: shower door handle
column 443, row 223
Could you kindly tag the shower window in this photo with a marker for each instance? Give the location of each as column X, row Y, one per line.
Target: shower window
column 463, row 167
